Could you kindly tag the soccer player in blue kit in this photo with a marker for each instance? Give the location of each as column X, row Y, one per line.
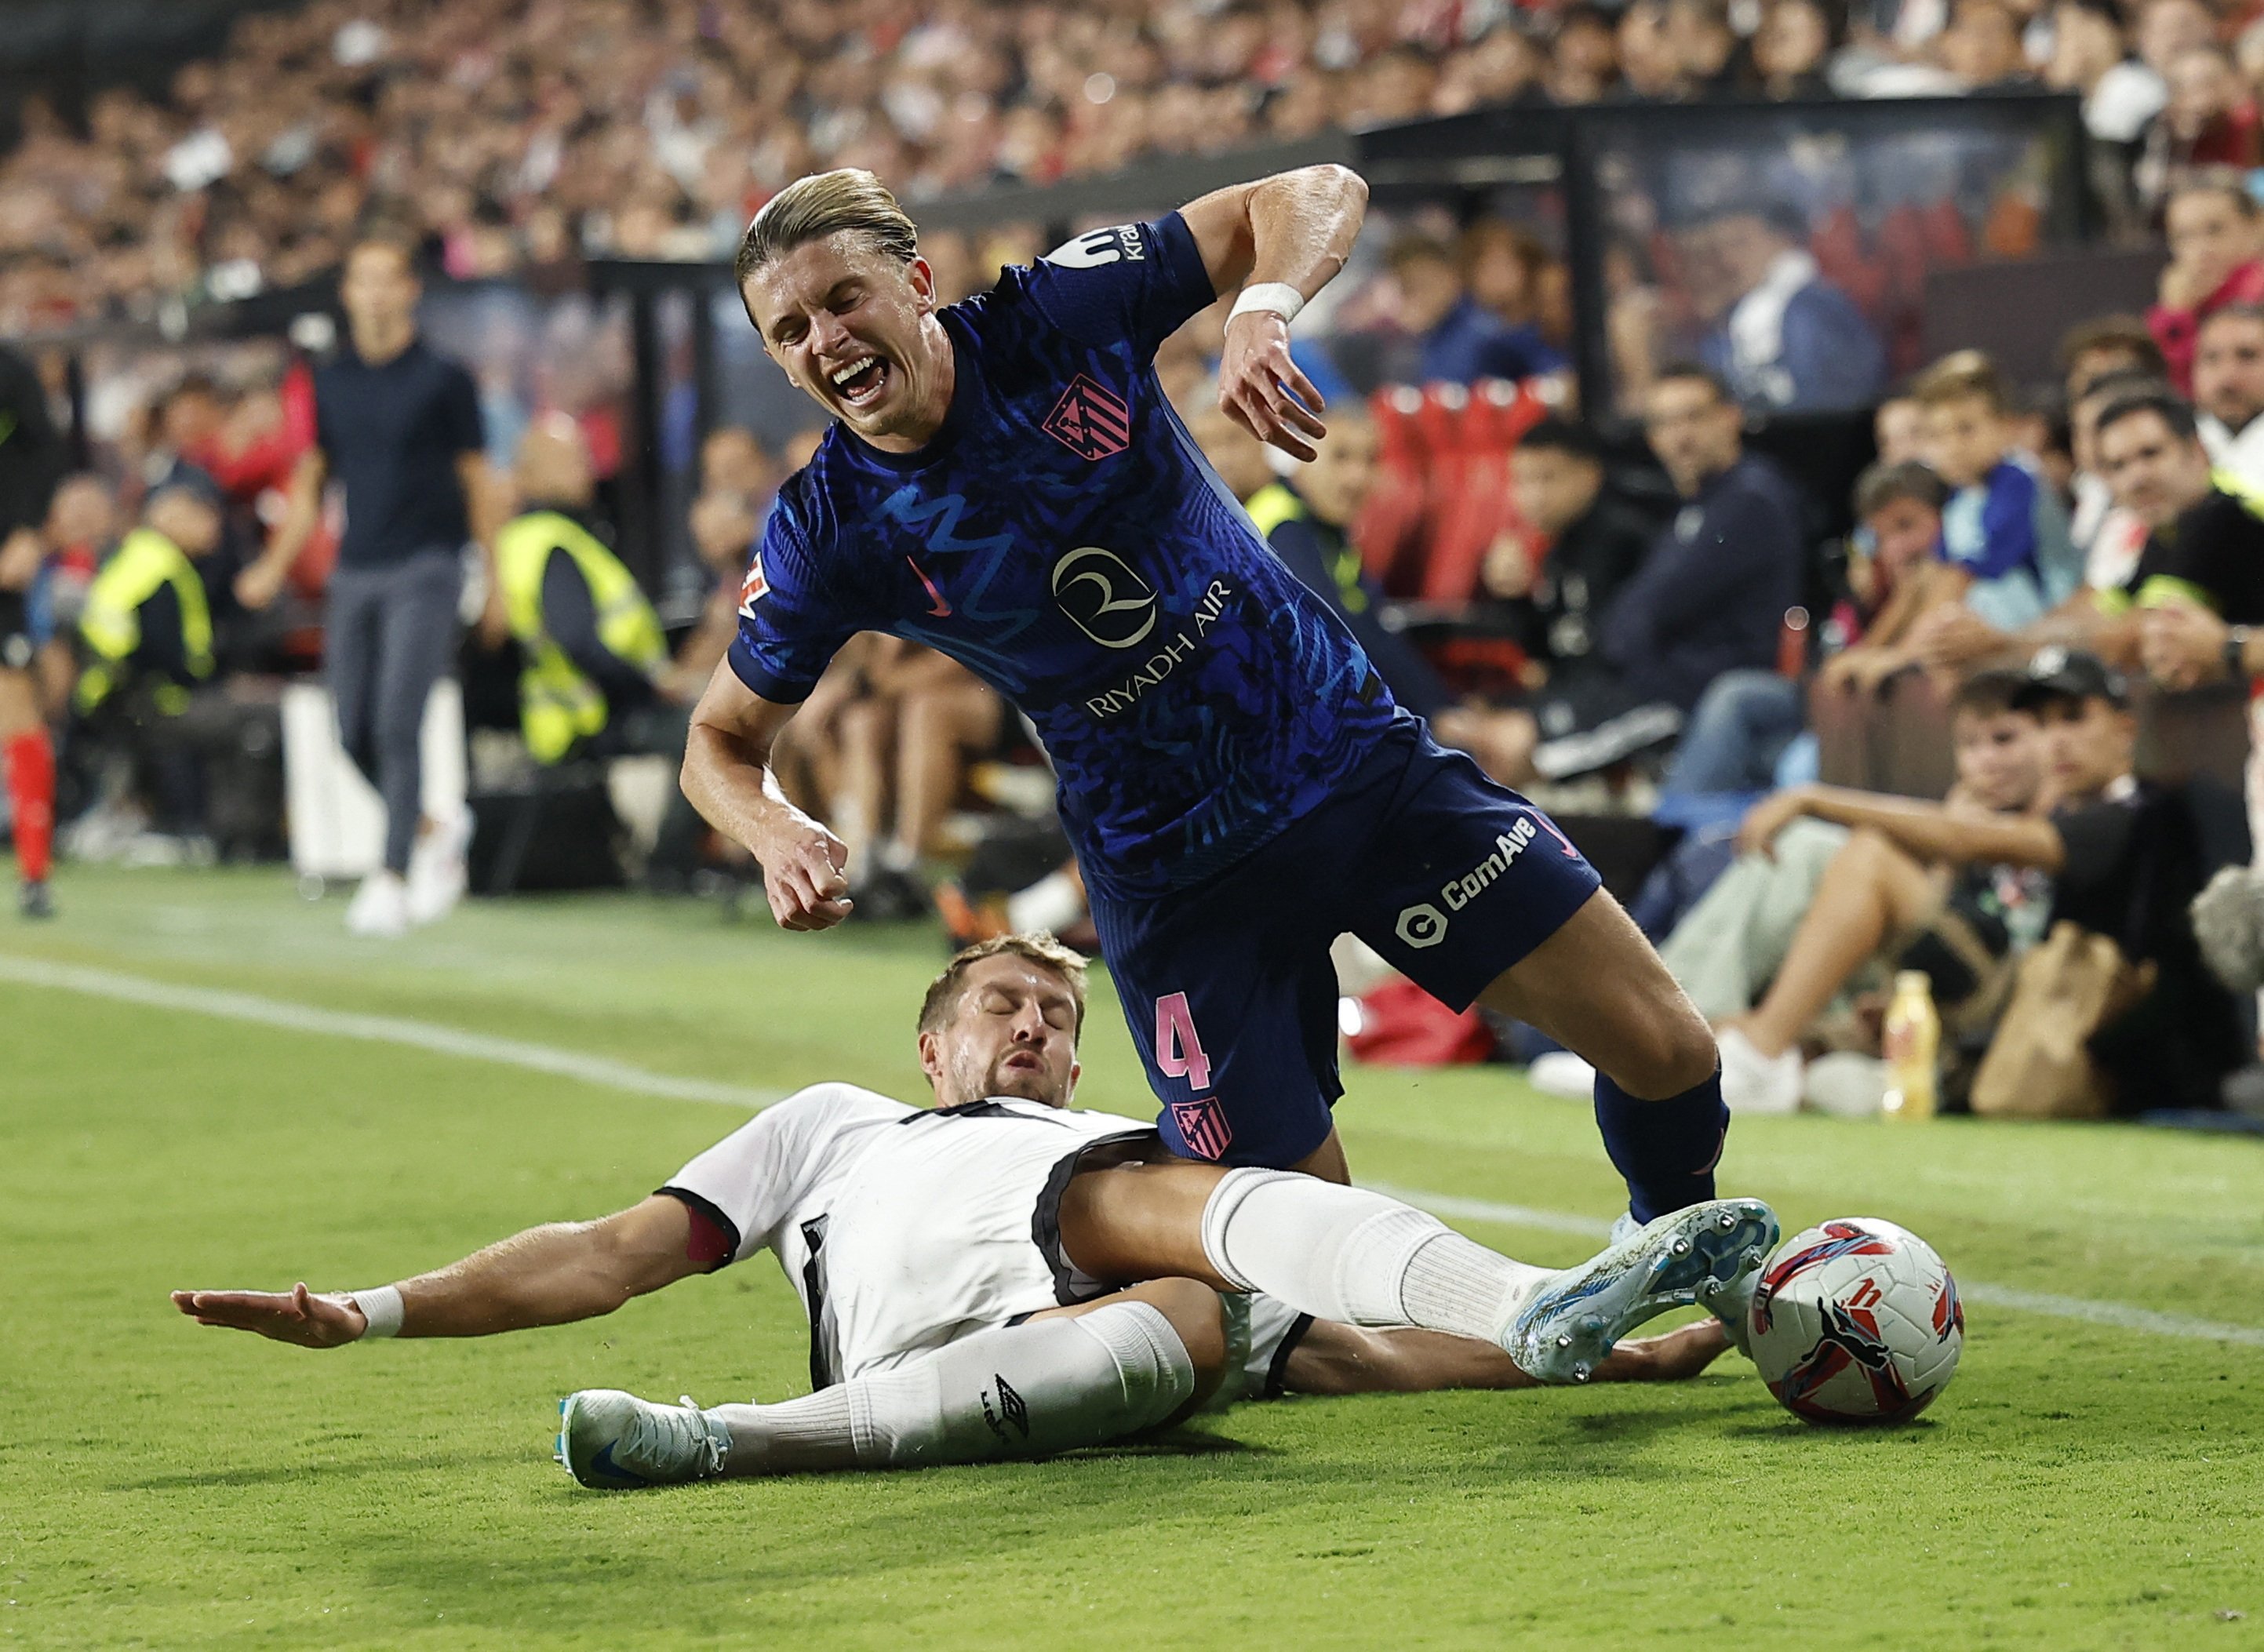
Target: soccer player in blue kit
column 1006, row 482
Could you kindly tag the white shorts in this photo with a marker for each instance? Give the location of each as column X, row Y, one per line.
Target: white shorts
column 950, row 1224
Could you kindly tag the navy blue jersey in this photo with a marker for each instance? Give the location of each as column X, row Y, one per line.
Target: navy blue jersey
column 1062, row 538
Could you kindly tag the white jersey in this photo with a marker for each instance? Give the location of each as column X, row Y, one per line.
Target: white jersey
column 903, row 1228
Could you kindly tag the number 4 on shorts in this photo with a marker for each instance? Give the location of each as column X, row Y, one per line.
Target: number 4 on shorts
column 1179, row 1052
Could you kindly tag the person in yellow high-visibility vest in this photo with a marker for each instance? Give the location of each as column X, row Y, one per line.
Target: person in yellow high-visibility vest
column 598, row 681
column 145, row 640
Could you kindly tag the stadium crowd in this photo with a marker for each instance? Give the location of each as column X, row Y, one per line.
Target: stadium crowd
column 522, row 136
column 2042, row 613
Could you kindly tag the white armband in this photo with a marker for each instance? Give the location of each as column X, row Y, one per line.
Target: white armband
column 1278, row 297
column 382, row 1308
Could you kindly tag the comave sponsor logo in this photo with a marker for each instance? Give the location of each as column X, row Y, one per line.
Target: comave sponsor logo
column 1423, row 925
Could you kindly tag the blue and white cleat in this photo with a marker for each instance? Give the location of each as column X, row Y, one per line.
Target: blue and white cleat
column 612, row 1441
column 1732, row 1303
column 1567, row 1326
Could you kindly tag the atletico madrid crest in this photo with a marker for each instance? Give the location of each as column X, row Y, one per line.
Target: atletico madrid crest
column 1090, row 421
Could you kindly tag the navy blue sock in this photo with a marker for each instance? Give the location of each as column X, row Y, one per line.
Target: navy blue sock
column 1667, row 1149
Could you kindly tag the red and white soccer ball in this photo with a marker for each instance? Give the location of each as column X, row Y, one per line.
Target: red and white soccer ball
column 1856, row 1321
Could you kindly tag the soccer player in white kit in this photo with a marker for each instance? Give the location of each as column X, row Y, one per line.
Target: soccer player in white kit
column 949, row 1320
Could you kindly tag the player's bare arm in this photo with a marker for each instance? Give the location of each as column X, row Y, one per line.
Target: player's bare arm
column 551, row 1275
column 1293, row 229
column 727, row 774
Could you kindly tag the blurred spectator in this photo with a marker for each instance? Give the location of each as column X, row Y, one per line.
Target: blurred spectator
column 1823, row 890
column 1585, row 546
column 2091, row 54
column 1650, row 69
column 2108, row 535
column 1898, row 431
column 1584, row 59
column 1784, row 339
column 2216, row 257
column 1448, row 335
column 146, row 636
column 596, row 683
column 1710, row 597
column 1507, row 270
column 2004, row 531
column 1710, row 59
column 2228, row 380
column 1308, row 521
column 736, row 490
column 1789, row 49
column 2210, row 120
column 1239, row 458
column 1981, row 48
column 1899, row 516
column 2104, row 344
column 2202, row 570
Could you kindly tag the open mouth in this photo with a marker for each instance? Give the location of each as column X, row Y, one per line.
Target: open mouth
column 860, row 382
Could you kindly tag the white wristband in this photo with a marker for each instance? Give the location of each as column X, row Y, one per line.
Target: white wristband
column 1277, row 297
column 382, row 1308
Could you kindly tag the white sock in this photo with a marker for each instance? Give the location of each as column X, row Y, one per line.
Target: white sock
column 1026, row 1391
column 1346, row 1254
column 1053, row 902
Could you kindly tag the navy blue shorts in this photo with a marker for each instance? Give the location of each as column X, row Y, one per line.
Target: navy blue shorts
column 1228, row 988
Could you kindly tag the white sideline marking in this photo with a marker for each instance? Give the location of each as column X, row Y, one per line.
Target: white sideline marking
column 594, row 1069
column 2119, row 1315
column 424, row 1035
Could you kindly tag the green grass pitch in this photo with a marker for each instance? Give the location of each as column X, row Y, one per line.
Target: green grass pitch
column 164, row 1485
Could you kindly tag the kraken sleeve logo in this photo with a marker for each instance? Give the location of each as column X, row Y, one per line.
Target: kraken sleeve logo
column 1105, row 599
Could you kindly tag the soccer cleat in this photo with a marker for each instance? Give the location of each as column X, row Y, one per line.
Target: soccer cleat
column 612, row 1441
column 380, row 908
column 33, row 901
column 1567, row 1326
column 438, row 871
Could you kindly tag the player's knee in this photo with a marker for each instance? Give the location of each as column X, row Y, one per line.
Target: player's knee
column 1194, row 1312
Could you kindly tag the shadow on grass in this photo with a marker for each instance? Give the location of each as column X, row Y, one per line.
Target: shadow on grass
column 305, row 1473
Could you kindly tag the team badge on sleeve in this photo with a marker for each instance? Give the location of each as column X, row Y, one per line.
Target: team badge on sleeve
column 755, row 589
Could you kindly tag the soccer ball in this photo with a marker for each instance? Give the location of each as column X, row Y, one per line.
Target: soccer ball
column 1856, row 1321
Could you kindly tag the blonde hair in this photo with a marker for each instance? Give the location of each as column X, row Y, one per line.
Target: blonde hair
column 1038, row 947
column 1958, row 375
column 826, row 203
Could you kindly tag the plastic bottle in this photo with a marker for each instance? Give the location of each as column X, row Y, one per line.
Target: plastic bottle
column 1913, row 1037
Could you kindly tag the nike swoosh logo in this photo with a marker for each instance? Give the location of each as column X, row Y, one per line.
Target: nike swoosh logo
column 942, row 609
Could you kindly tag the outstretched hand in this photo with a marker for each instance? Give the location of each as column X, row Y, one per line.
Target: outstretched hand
column 1262, row 389
column 296, row 1315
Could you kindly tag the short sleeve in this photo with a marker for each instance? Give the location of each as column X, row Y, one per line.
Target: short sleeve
column 460, row 413
column 752, row 1180
column 2008, row 523
column 1137, row 280
column 791, row 624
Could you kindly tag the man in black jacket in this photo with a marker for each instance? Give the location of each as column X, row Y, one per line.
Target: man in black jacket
column 1711, row 596
column 1578, row 700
